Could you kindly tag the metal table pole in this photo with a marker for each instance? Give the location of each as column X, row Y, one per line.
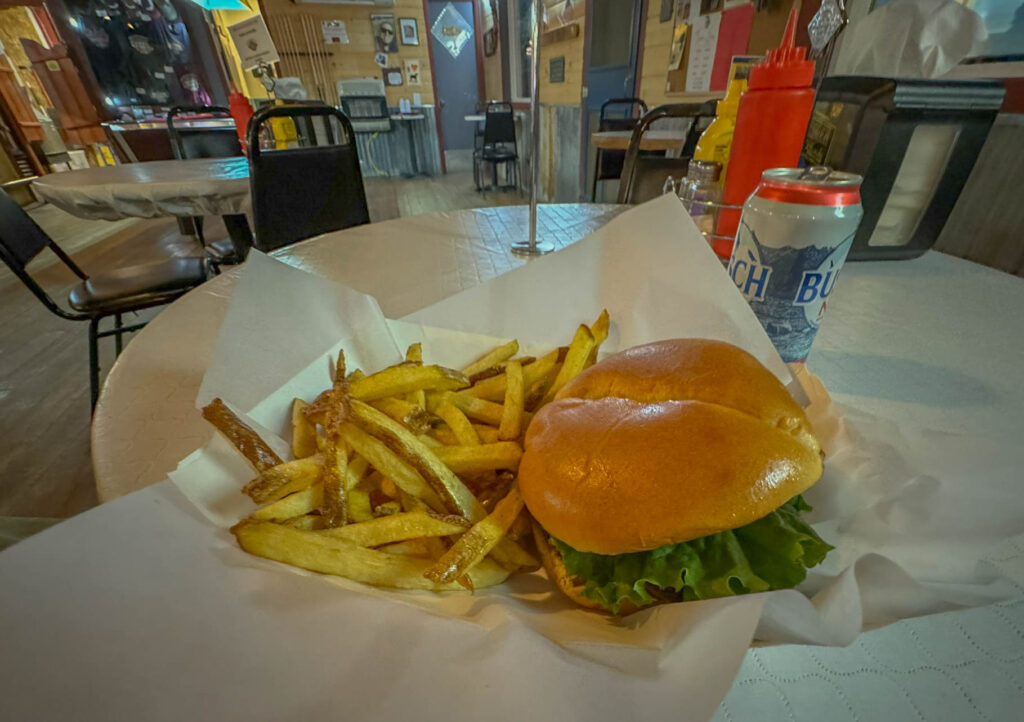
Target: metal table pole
column 532, row 247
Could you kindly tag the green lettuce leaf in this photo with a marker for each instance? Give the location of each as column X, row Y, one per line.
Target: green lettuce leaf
column 770, row 553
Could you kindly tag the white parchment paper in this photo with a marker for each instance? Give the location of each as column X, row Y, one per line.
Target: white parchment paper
column 908, row 527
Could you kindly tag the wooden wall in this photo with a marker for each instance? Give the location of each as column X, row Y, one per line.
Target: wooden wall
column 657, row 41
column 494, row 86
column 355, row 60
column 571, row 91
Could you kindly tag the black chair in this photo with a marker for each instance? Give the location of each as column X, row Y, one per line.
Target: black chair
column 194, row 141
column 499, row 134
column 478, row 142
column 96, row 297
column 643, row 175
column 616, row 114
column 302, row 192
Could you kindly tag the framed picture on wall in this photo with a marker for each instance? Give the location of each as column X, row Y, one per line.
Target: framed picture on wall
column 384, row 33
column 410, row 32
column 392, row 76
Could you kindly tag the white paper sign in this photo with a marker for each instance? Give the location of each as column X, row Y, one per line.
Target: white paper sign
column 253, row 42
column 703, row 42
column 334, row 32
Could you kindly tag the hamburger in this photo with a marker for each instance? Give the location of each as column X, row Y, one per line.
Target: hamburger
column 670, row 472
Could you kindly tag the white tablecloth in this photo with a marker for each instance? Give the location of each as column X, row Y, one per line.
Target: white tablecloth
column 935, row 342
column 203, row 187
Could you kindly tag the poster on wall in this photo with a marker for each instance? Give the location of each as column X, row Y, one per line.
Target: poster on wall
column 381, row 59
column 412, row 71
column 703, row 43
column 384, row 38
column 392, row 76
column 334, row 32
column 253, row 43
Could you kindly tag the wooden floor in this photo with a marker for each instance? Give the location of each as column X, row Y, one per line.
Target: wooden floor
column 45, row 464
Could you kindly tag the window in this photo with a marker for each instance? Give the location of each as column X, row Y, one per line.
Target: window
column 520, row 18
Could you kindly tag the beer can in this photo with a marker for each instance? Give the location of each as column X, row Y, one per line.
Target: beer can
column 794, row 234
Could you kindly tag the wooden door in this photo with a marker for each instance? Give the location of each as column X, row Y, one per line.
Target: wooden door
column 21, row 126
column 79, row 119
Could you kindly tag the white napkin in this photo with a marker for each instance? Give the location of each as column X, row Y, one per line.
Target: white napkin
column 908, row 537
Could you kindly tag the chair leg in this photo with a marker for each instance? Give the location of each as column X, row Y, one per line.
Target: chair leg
column 94, row 363
column 597, row 168
column 118, row 341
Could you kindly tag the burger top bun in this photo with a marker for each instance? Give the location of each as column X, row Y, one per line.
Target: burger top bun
column 664, row 443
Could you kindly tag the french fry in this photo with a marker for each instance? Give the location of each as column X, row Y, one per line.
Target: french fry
column 459, row 424
column 414, row 353
column 316, row 552
column 389, row 464
column 456, row 498
column 406, row 412
column 600, row 331
column 481, row 458
column 359, row 507
column 285, row 478
column 241, row 435
column 293, row 505
column 355, row 471
column 398, row 527
column 332, row 477
column 487, row 435
column 339, row 368
column 492, row 358
column 478, row 409
column 575, row 361
column 303, row 432
column 471, row 548
column 402, row 379
column 408, row 548
column 307, row 522
column 512, row 414
column 493, row 389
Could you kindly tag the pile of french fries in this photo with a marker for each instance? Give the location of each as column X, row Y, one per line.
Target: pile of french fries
column 406, row 477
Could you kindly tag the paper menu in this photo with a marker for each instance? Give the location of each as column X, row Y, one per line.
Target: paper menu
column 703, row 43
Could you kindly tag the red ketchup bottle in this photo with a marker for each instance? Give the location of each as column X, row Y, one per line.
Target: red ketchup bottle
column 241, row 111
column 770, row 127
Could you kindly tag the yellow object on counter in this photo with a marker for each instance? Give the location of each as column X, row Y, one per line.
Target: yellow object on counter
column 716, row 142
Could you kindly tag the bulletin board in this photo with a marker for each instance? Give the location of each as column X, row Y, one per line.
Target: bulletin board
column 765, row 32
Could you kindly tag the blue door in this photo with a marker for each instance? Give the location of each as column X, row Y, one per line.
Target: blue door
column 454, row 49
column 613, row 36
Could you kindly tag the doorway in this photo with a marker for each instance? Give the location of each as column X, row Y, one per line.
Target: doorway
column 610, row 70
column 451, row 26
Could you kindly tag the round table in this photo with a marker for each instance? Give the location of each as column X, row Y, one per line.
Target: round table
column 651, row 140
column 146, row 421
column 918, row 341
column 203, row 187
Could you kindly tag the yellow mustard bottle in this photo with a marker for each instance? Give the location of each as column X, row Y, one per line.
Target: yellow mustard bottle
column 716, row 141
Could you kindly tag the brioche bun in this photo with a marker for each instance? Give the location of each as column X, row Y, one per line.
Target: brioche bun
column 662, row 444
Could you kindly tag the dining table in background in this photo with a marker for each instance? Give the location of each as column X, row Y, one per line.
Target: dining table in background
column 919, row 342
column 156, row 189
column 667, row 140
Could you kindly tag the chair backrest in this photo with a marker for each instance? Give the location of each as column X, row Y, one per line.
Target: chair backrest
column 189, row 141
column 621, row 113
column 499, row 123
column 21, row 240
column 302, row 192
column 643, row 176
